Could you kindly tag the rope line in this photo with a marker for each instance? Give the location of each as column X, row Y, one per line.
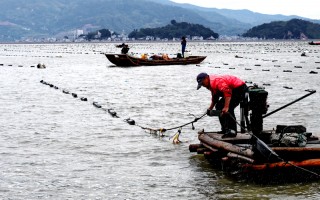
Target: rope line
column 130, row 121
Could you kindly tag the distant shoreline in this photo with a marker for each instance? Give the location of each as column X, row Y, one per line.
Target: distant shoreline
column 170, row 41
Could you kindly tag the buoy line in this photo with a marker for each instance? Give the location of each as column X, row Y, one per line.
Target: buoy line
column 158, row 131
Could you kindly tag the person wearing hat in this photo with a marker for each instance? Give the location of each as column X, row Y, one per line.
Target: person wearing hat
column 227, row 91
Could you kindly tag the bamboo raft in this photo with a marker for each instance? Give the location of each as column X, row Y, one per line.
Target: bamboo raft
column 259, row 155
column 239, row 157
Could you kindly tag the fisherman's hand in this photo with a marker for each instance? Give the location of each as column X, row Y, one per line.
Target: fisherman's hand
column 208, row 112
column 224, row 111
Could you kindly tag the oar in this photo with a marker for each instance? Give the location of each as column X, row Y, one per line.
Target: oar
column 282, row 107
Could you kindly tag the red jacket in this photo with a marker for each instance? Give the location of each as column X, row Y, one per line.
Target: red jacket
column 224, row 84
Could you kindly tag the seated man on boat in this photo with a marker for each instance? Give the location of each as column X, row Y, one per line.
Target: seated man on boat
column 227, row 92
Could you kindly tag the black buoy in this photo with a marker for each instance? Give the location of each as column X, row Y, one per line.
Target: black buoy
column 130, row 121
column 112, row 113
column 55, row 87
column 74, row 95
column 66, row 91
column 83, row 99
column 96, row 104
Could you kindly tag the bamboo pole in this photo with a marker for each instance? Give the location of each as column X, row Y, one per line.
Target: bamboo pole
column 277, row 165
column 225, row 145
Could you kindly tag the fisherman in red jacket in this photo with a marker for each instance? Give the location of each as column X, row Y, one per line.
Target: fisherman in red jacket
column 227, row 92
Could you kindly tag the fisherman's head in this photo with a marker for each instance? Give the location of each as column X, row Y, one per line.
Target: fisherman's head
column 203, row 80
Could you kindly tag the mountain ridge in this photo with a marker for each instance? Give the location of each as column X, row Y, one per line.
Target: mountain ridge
column 44, row 18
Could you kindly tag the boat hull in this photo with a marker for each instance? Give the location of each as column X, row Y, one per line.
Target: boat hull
column 125, row 60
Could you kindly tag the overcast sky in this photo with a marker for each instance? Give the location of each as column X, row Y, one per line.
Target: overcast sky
column 303, row 8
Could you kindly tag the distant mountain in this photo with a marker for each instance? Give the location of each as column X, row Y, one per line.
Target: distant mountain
column 292, row 29
column 48, row 18
column 175, row 30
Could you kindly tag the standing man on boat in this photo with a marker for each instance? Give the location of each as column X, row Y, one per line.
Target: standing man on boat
column 227, row 92
column 183, row 45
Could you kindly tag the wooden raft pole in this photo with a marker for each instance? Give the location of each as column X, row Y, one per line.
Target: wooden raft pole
column 233, row 155
column 225, row 145
column 277, row 165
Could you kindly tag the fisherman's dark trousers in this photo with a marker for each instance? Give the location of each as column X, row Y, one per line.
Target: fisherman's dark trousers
column 227, row 121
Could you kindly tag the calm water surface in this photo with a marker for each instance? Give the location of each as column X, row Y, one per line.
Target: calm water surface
column 54, row 146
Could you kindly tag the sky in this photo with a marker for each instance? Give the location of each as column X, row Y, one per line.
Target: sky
column 303, row 8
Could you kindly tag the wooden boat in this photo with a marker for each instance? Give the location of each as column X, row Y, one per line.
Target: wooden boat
column 126, row 60
column 314, row 43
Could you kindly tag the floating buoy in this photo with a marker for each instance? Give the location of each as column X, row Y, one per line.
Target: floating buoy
column 298, row 66
column 231, row 68
column 55, row 87
column 250, row 82
column 112, row 113
column 216, row 67
column 20, row 66
column 313, row 72
column 66, row 91
column 266, row 84
column 83, row 99
column 130, row 121
column 287, row 71
column 96, row 104
column 277, row 66
column 265, row 70
column 74, row 95
column 286, row 87
column 51, row 85
column 247, row 69
column 41, row 66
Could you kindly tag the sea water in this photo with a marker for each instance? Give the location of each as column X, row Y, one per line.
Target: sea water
column 55, row 146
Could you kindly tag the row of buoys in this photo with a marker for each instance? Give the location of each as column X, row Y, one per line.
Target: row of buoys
column 113, row 113
column 267, row 70
column 39, row 65
column 75, row 95
column 268, row 84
